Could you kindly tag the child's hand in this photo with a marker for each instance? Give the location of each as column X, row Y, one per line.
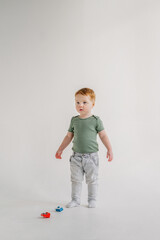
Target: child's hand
column 58, row 154
column 110, row 155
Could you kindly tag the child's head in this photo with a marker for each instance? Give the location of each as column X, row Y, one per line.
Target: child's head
column 85, row 100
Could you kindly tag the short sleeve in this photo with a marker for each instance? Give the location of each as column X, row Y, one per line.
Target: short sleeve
column 71, row 128
column 100, row 126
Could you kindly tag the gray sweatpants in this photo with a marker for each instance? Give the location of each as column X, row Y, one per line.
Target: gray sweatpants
column 84, row 164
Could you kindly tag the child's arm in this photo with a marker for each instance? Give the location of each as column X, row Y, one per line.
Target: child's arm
column 104, row 138
column 64, row 144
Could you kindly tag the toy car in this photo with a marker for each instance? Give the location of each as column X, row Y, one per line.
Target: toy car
column 46, row 215
column 59, row 209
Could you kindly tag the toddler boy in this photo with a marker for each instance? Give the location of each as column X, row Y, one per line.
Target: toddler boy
column 83, row 130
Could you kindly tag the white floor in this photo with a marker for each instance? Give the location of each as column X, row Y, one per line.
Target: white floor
column 135, row 216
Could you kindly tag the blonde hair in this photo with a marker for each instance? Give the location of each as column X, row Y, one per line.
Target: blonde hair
column 87, row 92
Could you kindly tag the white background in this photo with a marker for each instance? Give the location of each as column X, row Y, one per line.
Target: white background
column 48, row 51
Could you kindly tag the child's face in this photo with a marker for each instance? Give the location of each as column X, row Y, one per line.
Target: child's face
column 83, row 104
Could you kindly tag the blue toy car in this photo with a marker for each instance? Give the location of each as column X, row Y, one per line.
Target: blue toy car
column 59, row 209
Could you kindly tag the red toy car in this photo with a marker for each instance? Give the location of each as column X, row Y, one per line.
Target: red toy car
column 46, row 215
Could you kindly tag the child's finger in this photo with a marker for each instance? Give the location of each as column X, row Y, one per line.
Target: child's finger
column 57, row 156
column 110, row 159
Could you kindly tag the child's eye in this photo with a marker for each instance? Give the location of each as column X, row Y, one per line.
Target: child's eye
column 84, row 102
column 77, row 102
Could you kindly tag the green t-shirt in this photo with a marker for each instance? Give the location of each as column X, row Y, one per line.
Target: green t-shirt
column 85, row 133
